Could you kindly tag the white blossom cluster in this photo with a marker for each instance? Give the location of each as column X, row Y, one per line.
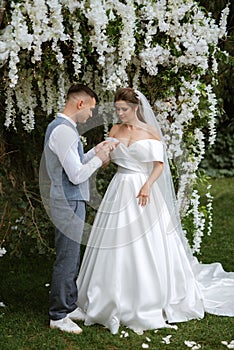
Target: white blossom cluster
column 209, row 207
column 183, row 110
column 198, row 221
column 136, row 39
column 192, row 345
column 77, row 42
column 191, row 40
column 2, row 251
column 212, row 114
column 227, row 344
column 153, row 57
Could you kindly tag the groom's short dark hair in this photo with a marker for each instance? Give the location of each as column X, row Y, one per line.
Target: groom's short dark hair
column 77, row 88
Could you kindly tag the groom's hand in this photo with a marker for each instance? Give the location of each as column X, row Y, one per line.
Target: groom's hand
column 103, row 150
column 103, row 153
column 111, row 145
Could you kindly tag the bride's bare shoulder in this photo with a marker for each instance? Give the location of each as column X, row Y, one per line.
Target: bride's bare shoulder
column 153, row 132
column 115, row 128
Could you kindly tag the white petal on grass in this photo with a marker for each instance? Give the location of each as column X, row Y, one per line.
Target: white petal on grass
column 196, row 347
column 192, row 344
column 173, row 326
column 2, row 304
column 156, row 331
column 47, row 284
column 145, row 346
column 166, row 340
column 189, row 343
column 148, row 339
column 124, row 334
column 230, row 345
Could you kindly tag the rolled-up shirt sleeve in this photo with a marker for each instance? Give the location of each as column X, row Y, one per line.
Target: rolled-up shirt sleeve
column 63, row 142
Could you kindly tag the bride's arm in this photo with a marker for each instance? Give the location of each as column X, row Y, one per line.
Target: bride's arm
column 144, row 193
column 111, row 134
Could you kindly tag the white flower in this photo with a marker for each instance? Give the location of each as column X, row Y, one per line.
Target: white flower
column 166, row 340
column 189, row 344
column 228, row 345
column 74, row 4
column 3, row 46
column 2, row 252
column 223, row 22
column 173, row 326
column 192, row 344
column 124, row 334
column 4, row 56
column 151, row 58
column 213, row 113
column 145, row 346
column 2, row 304
column 77, row 39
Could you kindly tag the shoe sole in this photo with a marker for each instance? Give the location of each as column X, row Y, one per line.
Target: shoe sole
column 63, row 330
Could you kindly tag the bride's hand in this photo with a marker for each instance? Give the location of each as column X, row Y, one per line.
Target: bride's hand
column 111, row 145
column 144, row 195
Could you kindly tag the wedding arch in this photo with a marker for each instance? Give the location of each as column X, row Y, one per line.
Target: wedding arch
column 169, row 49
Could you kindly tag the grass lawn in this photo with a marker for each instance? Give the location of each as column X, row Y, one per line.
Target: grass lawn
column 24, row 320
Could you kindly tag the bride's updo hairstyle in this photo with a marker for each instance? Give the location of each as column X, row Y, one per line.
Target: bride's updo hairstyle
column 130, row 96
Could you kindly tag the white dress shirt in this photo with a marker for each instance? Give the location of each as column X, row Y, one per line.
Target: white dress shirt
column 63, row 142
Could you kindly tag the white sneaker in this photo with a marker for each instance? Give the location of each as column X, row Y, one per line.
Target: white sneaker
column 66, row 325
column 77, row 314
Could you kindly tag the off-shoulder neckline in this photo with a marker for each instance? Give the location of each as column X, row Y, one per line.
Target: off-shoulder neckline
column 137, row 141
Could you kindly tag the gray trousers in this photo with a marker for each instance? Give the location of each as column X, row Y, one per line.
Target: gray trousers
column 64, row 294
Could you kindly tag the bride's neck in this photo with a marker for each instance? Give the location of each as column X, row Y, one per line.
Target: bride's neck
column 133, row 126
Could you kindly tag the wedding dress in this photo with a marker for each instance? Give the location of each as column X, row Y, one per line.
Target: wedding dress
column 135, row 270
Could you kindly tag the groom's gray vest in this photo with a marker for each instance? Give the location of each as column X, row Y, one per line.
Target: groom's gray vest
column 61, row 187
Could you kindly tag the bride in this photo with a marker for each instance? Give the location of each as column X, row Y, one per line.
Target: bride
column 138, row 269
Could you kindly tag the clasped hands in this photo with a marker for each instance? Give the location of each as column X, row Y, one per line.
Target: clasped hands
column 104, row 148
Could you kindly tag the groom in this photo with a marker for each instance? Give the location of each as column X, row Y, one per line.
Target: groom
column 69, row 170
